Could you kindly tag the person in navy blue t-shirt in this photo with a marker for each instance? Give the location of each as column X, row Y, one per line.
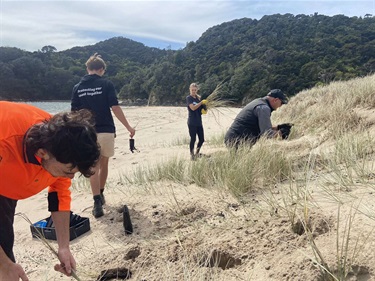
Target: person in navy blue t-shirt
column 195, row 106
column 98, row 95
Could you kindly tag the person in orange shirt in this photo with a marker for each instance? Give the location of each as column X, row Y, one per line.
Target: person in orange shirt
column 38, row 150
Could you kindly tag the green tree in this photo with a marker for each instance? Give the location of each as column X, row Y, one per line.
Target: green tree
column 48, row 49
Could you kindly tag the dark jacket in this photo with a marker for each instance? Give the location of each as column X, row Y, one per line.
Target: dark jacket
column 246, row 127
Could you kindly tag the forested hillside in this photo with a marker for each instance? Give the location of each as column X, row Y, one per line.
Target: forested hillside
column 290, row 52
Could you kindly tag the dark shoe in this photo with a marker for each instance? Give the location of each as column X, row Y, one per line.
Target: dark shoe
column 102, row 198
column 97, row 211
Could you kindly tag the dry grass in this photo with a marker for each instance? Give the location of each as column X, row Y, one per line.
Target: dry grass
column 340, row 155
column 330, row 110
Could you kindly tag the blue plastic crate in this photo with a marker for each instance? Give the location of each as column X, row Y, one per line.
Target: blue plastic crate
column 78, row 226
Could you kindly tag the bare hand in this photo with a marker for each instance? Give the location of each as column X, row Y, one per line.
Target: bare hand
column 132, row 132
column 67, row 262
column 14, row 272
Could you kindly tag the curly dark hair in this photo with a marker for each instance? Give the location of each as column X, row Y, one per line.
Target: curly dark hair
column 70, row 137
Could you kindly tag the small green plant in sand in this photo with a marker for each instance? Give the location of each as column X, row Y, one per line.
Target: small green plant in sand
column 250, row 168
column 173, row 169
column 348, row 247
column 350, row 160
column 216, row 140
column 179, row 141
column 239, row 171
column 295, row 195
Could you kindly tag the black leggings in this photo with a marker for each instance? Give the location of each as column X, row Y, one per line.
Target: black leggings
column 193, row 132
column 7, row 210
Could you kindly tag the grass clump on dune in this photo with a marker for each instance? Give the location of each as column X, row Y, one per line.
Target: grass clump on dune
column 329, row 153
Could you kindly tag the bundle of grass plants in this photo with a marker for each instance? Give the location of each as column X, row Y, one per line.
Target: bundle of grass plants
column 214, row 100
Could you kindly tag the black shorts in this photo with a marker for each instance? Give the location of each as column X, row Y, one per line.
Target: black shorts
column 7, row 210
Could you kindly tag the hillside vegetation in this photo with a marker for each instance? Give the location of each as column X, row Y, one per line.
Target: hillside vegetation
column 290, row 52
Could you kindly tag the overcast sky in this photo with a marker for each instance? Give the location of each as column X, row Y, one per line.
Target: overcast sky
column 30, row 25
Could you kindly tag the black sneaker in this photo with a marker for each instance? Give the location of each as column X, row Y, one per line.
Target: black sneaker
column 97, row 211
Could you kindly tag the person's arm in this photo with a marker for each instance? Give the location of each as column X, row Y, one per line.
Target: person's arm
column 61, row 222
column 264, row 122
column 75, row 103
column 194, row 107
column 117, row 111
column 9, row 270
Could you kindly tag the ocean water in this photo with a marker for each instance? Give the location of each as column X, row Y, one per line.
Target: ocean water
column 52, row 107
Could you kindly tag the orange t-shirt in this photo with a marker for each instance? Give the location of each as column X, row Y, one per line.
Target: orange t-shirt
column 21, row 175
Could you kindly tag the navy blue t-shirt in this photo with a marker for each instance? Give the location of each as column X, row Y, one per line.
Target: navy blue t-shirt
column 195, row 116
column 97, row 95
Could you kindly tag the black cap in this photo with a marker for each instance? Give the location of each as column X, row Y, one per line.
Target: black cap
column 277, row 93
